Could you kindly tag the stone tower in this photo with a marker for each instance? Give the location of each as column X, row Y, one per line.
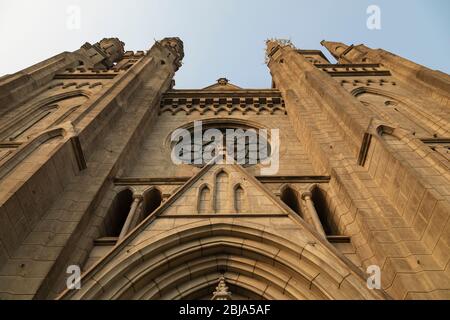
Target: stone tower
column 90, row 181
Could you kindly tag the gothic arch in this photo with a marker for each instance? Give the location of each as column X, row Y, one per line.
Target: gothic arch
column 204, row 199
column 66, row 115
column 31, row 120
column 152, row 199
column 319, row 198
column 221, row 191
column 291, row 198
column 117, row 213
column 29, row 147
column 31, row 117
column 407, row 112
column 390, row 137
column 239, row 198
column 188, row 259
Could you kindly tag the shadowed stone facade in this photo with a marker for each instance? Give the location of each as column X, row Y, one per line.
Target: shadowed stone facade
column 87, row 179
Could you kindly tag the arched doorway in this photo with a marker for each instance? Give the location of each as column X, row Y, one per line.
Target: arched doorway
column 187, row 262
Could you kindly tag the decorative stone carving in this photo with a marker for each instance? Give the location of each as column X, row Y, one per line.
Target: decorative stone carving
column 222, row 292
column 176, row 46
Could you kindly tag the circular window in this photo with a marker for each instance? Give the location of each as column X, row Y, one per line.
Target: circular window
column 198, row 146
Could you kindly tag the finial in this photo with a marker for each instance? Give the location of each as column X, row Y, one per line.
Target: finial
column 223, row 81
column 222, row 292
column 335, row 48
column 273, row 45
column 175, row 45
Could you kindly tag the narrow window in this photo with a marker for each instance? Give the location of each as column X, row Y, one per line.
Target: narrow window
column 221, row 189
column 323, row 211
column 204, row 200
column 117, row 214
column 290, row 197
column 152, row 200
column 239, row 199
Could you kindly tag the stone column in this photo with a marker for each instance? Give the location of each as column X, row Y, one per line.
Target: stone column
column 311, row 211
column 131, row 215
column 109, row 135
column 18, row 87
column 304, row 85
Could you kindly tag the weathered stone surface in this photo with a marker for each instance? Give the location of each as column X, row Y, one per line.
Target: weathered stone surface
column 87, row 178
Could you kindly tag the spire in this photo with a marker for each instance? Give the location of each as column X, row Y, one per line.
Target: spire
column 113, row 48
column 335, row 48
column 273, row 45
column 176, row 46
column 104, row 53
column 222, row 292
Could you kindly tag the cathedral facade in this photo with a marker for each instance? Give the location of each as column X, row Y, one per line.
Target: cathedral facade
column 348, row 196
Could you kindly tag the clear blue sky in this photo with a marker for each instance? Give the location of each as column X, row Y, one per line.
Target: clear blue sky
column 227, row 37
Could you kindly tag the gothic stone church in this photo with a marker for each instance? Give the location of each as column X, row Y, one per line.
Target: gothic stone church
column 87, row 180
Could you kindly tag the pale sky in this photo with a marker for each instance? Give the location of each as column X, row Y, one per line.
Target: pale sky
column 223, row 38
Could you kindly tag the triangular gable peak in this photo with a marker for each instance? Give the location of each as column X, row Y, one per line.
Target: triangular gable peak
column 225, row 189
column 222, row 84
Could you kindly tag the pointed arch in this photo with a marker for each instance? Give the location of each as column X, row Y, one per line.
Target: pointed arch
column 319, row 198
column 66, row 116
column 240, row 199
column 32, row 120
column 401, row 111
column 151, row 200
column 291, row 198
column 157, row 268
column 117, row 213
column 27, row 149
column 392, row 136
column 33, row 117
column 221, row 196
column 204, row 199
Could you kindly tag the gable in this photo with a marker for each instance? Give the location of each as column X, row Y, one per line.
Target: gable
column 222, row 84
column 163, row 251
column 224, row 189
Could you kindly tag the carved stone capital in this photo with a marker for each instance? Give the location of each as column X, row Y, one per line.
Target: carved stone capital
column 138, row 196
column 306, row 194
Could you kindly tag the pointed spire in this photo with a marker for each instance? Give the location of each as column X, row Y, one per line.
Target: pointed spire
column 222, row 292
column 176, row 45
column 335, row 48
column 272, row 46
